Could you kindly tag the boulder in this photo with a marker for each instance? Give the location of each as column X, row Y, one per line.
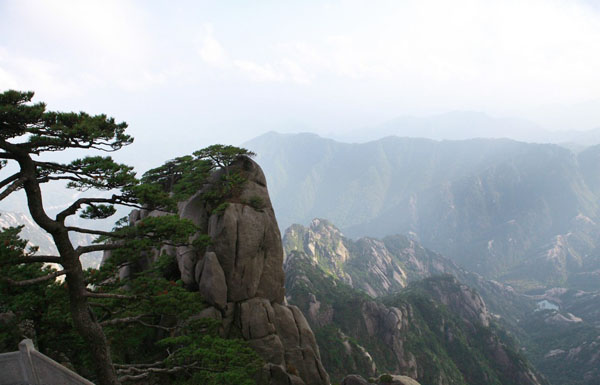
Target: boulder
column 256, row 318
column 212, row 285
column 403, row 380
column 248, row 245
column 187, row 258
column 354, row 379
column 269, row 348
column 277, row 375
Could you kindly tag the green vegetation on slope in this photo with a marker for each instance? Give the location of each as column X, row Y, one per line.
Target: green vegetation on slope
column 423, row 338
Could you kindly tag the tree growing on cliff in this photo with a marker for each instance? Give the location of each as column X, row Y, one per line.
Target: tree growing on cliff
column 27, row 133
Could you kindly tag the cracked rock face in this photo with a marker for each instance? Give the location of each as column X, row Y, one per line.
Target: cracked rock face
column 240, row 275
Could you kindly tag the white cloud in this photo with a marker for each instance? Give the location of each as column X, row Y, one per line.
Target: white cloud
column 214, row 54
column 211, row 51
column 19, row 72
column 385, row 58
column 259, row 73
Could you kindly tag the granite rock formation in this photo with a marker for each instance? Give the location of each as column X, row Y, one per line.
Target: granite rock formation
column 240, row 275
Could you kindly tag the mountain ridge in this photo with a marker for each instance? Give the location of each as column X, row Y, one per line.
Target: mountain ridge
column 492, row 205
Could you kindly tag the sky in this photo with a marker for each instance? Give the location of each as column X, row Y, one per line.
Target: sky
column 186, row 74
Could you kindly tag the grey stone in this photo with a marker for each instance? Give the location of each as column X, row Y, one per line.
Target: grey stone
column 134, row 216
column 307, row 338
column 194, row 209
column 256, row 318
column 212, row 285
column 354, row 379
column 403, row 380
column 186, row 261
column 269, row 348
column 286, row 326
column 277, row 375
column 209, row 312
column 248, row 245
column 247, row 241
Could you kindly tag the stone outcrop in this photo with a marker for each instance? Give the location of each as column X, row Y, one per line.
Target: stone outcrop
column 354, row 379
column 379, row 267
column 240, row 275
column 460, row 299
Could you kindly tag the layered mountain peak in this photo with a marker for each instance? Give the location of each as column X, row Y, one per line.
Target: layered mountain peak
column 459, row 298
column 344, row 258
column 376, row 266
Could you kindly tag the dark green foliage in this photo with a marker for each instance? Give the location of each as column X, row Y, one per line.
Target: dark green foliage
column 40, row 311
column 228, row 186
column 182, row 177
column 159, row 324
column 98, row 211
column 101, row 173
column 222, row 155
column 220, row 209
column 16, row 303
column 256, row 202
column 575, row 358
column 151, row 323
column 136, row 312
column 55, row 131
column 213, row 360
column 174, row 181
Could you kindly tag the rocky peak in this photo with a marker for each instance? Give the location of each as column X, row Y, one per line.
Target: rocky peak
column 323, row 243
column 377, row 267
column 240, row 275
column 459, row 298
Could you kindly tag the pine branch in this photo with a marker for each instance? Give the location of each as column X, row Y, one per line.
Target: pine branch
column 35, row 280
column 136, row 319
column 72, row 209
column 91, row 248
column 93, row 232
column 10, row 179
column 108, row 295
column 136, row 374
column 33, row 259
column 14, row 186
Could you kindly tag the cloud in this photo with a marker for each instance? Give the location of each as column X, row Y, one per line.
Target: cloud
column 414, row 56
column 211, row 51
column 259, row 73
column 20, row 72
column 68, row 47
column 214, row 54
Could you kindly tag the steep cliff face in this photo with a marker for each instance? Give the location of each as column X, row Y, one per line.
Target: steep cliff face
column 240, row 276
column 437, row 331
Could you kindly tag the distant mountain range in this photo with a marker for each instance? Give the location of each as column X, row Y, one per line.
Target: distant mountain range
column 462, row 125
column 38, row 237
column 523, row 213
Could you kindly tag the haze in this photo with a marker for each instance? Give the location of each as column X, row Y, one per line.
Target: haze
column 188, row 74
